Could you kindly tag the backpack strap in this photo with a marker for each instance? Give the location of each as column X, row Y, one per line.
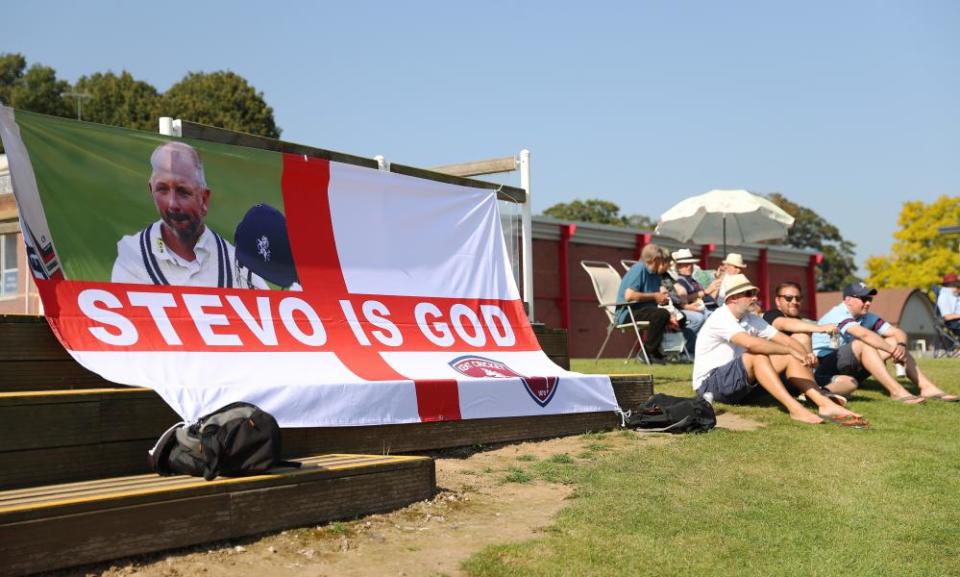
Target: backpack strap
column 149, row 259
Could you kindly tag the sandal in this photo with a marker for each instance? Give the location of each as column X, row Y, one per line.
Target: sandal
column 848, row 421
column 909, row 400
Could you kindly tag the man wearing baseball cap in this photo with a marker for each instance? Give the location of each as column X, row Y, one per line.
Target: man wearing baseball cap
column 866, row 342
column 948, row 302
column 737, row 350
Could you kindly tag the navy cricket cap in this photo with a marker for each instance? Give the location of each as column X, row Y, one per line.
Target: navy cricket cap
column 859, row 290
column 263, row 246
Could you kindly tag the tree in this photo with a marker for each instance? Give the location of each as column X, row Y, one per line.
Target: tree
column 35, row 89
column 221, row 99
column 598, row 211
column 811, row 231
column 921, row 255
column 119, row 100
column 641, row 221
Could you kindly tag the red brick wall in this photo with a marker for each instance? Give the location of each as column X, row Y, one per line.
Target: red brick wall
column 588, row 323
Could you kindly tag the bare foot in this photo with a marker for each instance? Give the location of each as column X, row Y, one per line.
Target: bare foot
column 909, row 399
column 807, row 417
column 833, row 410
column 937, row 393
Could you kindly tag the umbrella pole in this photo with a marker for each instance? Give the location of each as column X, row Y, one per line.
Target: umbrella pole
column 724, row 236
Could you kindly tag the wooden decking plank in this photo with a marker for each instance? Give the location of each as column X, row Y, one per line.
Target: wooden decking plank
column 67, row 537
column 148, row 489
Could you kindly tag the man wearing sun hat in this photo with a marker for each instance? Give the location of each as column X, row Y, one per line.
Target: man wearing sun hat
column 737, row 351
column 732, row 264
column 867, row 341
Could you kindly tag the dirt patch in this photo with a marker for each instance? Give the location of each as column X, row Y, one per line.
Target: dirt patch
column 734, row 422
column 484, row 498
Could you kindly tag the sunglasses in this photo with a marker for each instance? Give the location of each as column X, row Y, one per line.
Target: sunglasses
column 748, row 294
column 791, row 298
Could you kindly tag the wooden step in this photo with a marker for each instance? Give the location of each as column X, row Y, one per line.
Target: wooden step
column 60, row 436
column 53, row 527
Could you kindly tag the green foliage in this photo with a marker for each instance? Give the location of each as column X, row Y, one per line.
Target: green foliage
column 36, row 88
column 221, row 99
column 517, row 475
column 641, row 221
column 597, row 211
column 119, row 100
column 921, row 255
column 812, row 231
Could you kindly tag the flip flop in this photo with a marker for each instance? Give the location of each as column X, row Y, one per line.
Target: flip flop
column 909, row 400
column 945, row 397
column 847, row 421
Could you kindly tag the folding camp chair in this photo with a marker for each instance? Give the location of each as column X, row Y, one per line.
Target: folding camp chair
column 606, row 284
column 948, row 344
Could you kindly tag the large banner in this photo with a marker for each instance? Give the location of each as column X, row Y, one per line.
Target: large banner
column 326, row 293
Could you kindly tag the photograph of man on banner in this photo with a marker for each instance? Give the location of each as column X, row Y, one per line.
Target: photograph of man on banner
column 180, row 249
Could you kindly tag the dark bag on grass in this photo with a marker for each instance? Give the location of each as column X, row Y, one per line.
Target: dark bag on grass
column 236, row 440
column 668, row 414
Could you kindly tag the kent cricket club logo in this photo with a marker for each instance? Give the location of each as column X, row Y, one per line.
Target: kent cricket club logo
column 541, row 389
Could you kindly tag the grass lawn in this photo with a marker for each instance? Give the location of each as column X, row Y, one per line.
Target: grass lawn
column 787, row 499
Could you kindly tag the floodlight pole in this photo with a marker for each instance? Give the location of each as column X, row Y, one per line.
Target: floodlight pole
column 527, row 226
column 80, row 96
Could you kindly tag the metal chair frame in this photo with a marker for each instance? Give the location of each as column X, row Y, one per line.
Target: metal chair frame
column 602, row 275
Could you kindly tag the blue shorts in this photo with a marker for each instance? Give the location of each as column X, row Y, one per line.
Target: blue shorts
column 727, row 383
column 840, row 362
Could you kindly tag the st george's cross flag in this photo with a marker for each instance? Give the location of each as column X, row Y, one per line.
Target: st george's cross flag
column 328, row 294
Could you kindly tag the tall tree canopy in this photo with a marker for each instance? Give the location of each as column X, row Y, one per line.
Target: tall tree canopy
column 119, row 100
column 36, row 88
column 221, row 99
column 921, row 255
column 812, row 231
column 598, row 211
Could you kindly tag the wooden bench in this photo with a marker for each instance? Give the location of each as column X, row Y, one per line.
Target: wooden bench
column 59, row 526
column 60, row 436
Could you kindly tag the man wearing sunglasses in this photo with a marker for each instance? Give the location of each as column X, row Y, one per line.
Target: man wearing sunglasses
column 867, row 341
column 737, row 350
column 786, row 319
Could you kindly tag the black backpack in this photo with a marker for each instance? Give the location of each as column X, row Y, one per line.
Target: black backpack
column 236, row 440
column 668, row 414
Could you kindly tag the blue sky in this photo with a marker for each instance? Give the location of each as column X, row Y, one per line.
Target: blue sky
column 850, row 108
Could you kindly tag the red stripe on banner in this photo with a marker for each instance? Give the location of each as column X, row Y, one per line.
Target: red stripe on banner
column 306, row 203
column 306, row 199
column 438, row 400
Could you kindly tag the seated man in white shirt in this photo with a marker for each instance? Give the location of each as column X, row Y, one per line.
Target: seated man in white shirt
column 737, row 350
